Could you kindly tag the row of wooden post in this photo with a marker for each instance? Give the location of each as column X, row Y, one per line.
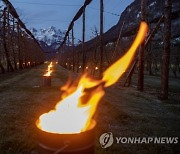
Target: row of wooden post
column 166, row 49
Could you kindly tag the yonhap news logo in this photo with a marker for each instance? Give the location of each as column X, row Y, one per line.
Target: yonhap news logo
column 107, row 139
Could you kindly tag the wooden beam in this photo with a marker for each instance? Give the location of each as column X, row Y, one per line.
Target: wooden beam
column 101, row 35
column 83, row 38
column 166, row 49
column 140, row 85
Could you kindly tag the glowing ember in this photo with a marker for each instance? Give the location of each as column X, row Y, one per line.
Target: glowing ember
column 49, row 70
column 78, row 103
column 96, row 68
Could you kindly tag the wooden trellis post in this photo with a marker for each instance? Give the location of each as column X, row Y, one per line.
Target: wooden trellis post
column 19, row 46
column 166, row 50
column 101, row 35
column 77, row 53
column 69, row 53
column 13, row 44
column 83, row 38
column 73, row 53
column 140, row 85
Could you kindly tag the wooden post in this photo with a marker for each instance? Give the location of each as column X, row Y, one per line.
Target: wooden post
column 140, row 86
column 1, row 66
column 117, row 42
column 95, row 51
column 19, row 46
column 69, row 53
column 73, row 48
column 83, row 38
column 153, row 32
column 24, row 50
column 151, row 35
column 101, row 35
column 129, row 76
column 77, row 53
column 12, row 41
column 166, row 50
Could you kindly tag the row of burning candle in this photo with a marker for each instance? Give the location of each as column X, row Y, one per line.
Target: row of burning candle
column 96, row 67
column 25, row 63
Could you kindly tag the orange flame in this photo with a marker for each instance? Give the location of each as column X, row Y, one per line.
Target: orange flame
column 79, row 101
column 114, row 72
column 49, row 70
column 71, row 115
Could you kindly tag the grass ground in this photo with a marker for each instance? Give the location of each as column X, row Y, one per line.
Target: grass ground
column 123, row 111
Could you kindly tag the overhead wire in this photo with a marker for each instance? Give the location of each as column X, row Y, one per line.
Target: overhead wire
column 53, row 4
column 115, row 14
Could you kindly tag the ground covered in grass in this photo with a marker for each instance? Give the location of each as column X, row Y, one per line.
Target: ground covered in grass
column 123, row 111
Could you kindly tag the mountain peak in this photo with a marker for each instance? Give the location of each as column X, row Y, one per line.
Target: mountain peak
column 51, row 36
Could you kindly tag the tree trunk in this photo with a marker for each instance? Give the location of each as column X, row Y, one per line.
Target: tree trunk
column 166, row 50
column 140, row 86
column 9, row 65
column 13, row 49
column 2, row 68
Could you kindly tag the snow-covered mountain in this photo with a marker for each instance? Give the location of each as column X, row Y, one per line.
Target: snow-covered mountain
column 51, row 36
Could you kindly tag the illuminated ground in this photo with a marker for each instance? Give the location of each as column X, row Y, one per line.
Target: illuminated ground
column 123, row 111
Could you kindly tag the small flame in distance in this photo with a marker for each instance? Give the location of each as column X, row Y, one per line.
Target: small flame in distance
column 49, row 70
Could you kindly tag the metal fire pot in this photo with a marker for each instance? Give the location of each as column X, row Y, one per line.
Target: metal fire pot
column 47, row 81
column 80, row 143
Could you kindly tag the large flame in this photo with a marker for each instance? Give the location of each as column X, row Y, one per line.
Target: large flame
column 79, row 100
column 114, row 72
column 71, row 115
column 49, row 70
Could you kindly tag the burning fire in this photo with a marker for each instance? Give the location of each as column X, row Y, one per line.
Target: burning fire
column 49, row 70
column 79, row 100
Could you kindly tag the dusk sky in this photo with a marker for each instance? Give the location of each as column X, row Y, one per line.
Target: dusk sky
column 59, row 13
